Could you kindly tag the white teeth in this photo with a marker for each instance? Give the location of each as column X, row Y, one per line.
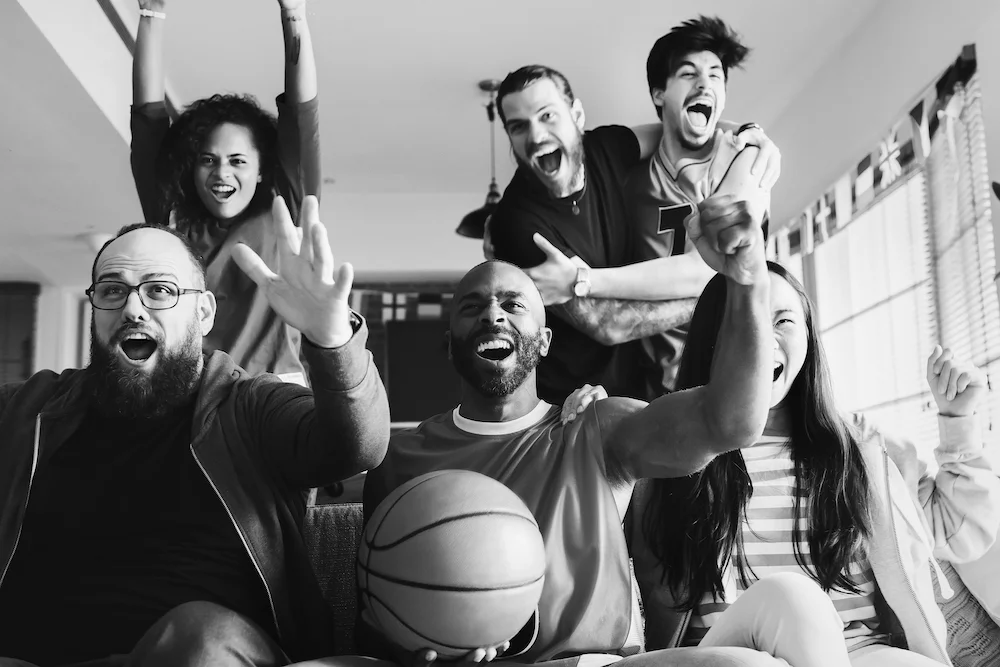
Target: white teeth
column 223, row 188
column 493, row 345
column 137, row 336
column 543, row 153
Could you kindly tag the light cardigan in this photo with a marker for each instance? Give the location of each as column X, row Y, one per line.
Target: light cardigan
column 917, row 518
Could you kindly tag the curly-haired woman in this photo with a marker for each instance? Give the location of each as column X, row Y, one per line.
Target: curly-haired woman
column 213, row 174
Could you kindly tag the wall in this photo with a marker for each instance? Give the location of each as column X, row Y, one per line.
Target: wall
column 401, row 233
column 57, row 327
column 854, row 99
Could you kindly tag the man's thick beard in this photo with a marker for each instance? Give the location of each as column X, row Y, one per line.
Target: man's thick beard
column 500, row 382
column 574, row 154
column 120, row 391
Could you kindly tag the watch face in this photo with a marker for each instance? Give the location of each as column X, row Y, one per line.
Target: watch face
column 581, row 288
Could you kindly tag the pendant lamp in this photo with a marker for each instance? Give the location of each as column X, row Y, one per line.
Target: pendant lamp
column 473, row 224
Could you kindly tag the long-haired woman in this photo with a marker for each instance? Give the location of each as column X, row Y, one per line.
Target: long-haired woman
column 825, row 497
column 214, row 173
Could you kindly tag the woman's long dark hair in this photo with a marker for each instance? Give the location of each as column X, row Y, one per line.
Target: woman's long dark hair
column 694, row 524
column 183, row 144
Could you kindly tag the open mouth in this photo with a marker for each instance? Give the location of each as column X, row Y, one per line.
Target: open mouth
column 138, row 346
column 699, row 114
column 223, row 191
column 778, row 370
column 496, row 349
column 549, row 162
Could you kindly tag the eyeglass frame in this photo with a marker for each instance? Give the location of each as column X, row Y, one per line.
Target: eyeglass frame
column 181, row 291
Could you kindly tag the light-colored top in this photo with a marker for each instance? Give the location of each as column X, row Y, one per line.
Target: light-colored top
column 769, row 548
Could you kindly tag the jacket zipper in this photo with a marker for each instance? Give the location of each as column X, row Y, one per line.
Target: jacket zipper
column 899, row 558
column 27, row 496
column 246, row 546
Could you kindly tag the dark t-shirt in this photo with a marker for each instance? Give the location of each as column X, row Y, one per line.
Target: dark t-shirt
column 121, row 527
column 598, row 234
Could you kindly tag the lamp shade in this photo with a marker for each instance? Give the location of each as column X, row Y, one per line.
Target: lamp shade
column 473, row 225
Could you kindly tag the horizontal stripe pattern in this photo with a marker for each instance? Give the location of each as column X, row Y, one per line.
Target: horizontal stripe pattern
column 768, row 547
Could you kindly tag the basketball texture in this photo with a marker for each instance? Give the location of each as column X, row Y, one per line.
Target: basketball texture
column 451, row 561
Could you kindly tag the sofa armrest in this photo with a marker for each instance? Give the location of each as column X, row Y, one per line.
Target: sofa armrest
column 332, row 535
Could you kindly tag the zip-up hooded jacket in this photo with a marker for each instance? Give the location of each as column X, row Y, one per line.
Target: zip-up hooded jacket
column 261, row 443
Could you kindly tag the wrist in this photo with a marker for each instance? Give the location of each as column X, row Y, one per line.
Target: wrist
column 599, row 284
column 294, row 13
column 338, row 337
column 756, row 294
column 952, row 414
column 152, row 15
column 581, row 286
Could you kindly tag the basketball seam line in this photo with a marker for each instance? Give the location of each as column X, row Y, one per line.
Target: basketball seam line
column 443, row 587
column 393, row 506
column 440, row 522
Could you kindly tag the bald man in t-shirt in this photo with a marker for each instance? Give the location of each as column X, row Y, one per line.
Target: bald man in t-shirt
column 578, row 479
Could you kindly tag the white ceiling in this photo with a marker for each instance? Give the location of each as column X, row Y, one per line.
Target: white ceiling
column 398, row 78
column 401, row 111
column 64, row 169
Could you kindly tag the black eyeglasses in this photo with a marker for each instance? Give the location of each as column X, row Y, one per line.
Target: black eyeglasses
column 154, row 294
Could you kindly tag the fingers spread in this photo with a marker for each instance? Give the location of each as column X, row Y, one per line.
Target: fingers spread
column 284, row 230
column 252, row 264
column 322, row 253
column 343, row 280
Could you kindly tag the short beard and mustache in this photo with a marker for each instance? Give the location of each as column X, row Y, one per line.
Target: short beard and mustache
column 118, row 390
column 710, row 136
column 497, row 382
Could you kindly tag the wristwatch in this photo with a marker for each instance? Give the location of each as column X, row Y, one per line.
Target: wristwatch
column 581, row 287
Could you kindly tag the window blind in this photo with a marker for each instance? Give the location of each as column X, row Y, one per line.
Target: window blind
column 963, row 243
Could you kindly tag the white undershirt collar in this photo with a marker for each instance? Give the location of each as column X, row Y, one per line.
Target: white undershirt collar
column 500, row 428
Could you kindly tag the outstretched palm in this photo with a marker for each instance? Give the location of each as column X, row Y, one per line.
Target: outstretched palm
column 306, row 291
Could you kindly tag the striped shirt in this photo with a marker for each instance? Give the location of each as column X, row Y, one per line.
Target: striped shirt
column 768, row 548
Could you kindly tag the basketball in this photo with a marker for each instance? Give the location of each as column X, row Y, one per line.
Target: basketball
column 451, row 561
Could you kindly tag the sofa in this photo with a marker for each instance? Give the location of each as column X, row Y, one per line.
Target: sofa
column 333, row 532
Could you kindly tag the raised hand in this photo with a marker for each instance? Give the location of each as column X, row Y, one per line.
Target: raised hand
column 957, row 386
column 556, row 276
column 306, row 291
column 153, row 5
column 767, row 166
column 578, row 401
column 728, row 237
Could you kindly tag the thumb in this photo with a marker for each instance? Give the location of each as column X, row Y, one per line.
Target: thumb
column 546, row 247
